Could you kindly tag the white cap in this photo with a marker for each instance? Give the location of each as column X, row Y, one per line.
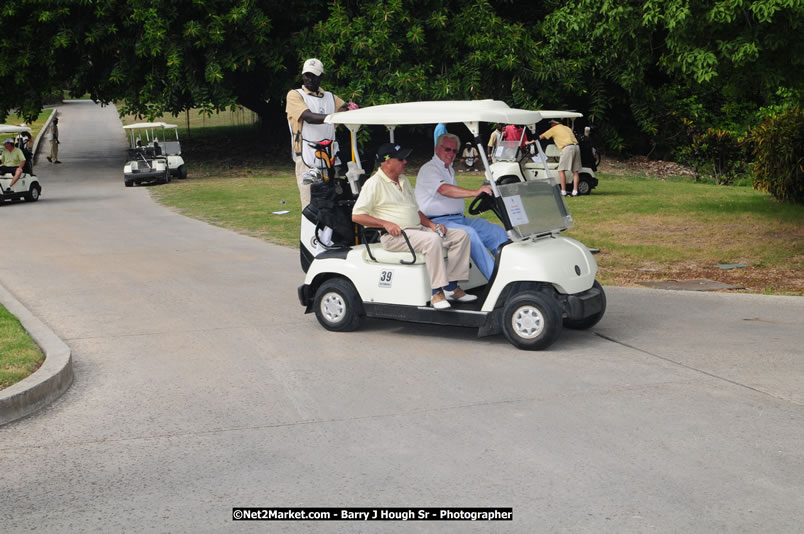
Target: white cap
column 313, row 66
column 8, row 141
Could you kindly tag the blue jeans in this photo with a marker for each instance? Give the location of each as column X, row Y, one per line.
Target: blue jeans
column 482, row 234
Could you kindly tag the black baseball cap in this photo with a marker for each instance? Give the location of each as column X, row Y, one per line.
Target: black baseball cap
column 390, row 150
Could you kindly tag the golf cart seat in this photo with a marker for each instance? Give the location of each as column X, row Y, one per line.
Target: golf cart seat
column 553, row 154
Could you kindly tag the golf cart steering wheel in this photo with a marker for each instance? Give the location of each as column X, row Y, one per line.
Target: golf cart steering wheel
column 482, row 202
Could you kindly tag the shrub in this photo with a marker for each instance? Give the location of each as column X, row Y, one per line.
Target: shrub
column 778, row 148
column 715, row 153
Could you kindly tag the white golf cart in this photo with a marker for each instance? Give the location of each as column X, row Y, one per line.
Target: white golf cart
column 28, row 186
column 587, row 180
column 154, row 153
column 542, row 280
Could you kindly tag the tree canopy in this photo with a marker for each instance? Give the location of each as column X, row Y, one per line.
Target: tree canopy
column 641, row 69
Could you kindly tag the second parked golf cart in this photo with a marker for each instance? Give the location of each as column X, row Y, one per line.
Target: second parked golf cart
column 542, row 280
column 28, row 186
column 154, row 153
column 587, row 180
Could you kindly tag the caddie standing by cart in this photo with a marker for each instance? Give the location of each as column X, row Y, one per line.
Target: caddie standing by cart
column 306, row 108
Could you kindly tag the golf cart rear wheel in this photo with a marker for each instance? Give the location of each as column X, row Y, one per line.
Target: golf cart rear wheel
column 584, row 184
column 531, row 321
column 592, row 320
column 181, row 172
column 337, row 305
column 33, row 194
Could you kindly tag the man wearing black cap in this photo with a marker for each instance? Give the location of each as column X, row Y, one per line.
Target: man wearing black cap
column 387, row 201
column 306, row 109
column 570, row 159
column 11, row 162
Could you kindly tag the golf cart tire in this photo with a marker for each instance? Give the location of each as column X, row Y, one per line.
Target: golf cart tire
column 531, row 321
column 592, row 320
column 129, row 183
column 337, row 305
column 585, row 184
column 33, row 193
column 181, row 172
column 166, row 179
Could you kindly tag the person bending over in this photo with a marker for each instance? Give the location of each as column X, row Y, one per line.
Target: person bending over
column 570, row 159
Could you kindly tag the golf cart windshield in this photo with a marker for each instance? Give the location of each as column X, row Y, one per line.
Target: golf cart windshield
column 507, row 151
column 535, row 208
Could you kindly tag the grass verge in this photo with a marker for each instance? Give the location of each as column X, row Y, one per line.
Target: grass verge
column 19, row 355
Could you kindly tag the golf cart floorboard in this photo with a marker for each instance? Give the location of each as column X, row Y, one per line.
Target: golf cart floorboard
column 425, row 314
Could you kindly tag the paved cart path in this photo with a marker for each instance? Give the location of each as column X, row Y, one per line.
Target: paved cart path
column 200, row 386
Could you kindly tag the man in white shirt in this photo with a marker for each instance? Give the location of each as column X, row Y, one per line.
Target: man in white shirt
column 441, row 200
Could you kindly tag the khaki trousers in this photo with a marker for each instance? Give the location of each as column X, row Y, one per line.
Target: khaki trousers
column 304, row 190
column 54, row 150
column 429, row 243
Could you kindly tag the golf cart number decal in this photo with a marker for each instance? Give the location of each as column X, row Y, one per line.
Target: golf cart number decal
column 385, row 278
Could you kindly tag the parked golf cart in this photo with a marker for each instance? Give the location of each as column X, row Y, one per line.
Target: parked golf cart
column 587, row 180
column 541, row 282
column 28, row 186
column 154, row 153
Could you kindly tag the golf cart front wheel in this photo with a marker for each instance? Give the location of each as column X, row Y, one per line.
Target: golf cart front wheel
column 181, row 172
column 33, row 193
column 531, row 321
column 129, row 183
column 337, row 305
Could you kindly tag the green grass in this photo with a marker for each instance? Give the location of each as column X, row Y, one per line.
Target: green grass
column 243, row 203
column 19, row 355
column 647, row 228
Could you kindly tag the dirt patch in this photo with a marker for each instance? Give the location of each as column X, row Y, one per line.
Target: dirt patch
column 753, row 279
column 641, row 165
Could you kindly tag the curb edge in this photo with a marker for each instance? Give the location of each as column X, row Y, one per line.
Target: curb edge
column 48, row 382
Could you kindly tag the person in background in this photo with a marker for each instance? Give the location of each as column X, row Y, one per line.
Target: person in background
column 494, row 139
column 306, row 109
column 439, row 130
column 570, row 159
column 54, row 141
column 387, row 201
column 513, row 132
column 469, row 156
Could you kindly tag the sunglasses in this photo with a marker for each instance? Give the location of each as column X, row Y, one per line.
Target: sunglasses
column 448, row 149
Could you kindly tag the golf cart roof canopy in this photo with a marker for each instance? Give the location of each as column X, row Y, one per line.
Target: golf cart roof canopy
column 149, row 125
column 466, row 111
column 8, row 129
